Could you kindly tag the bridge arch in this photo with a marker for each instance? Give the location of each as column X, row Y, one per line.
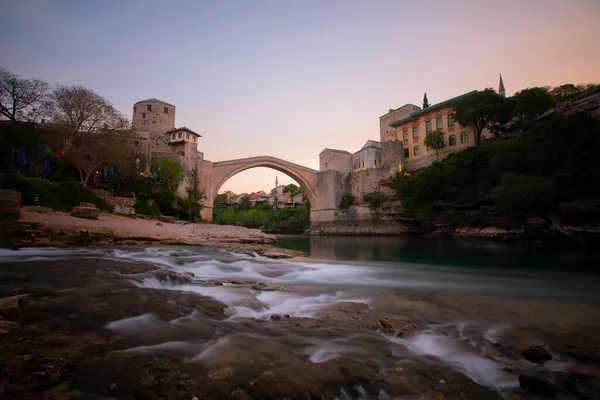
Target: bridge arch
column 221, row 171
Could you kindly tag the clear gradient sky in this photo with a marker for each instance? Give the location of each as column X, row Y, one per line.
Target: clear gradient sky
column 291, row 77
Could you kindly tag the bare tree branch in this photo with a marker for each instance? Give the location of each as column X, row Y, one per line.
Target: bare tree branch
column 21, row 99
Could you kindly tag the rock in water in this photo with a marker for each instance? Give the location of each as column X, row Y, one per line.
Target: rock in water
column 537, row 384
column 536, row 354
column 385, row 323
column 20, row 302
column 85, row 212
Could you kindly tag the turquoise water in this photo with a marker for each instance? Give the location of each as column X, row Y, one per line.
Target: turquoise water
column 469, row 253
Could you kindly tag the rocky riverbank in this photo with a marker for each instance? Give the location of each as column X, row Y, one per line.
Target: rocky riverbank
column 87, row 326
column 43, row 227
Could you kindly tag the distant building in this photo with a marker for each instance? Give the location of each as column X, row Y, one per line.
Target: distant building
column 368, row 157
column 585, row 102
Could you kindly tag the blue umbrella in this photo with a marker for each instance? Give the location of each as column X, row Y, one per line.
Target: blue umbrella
column 21, row 161
column 46, row 170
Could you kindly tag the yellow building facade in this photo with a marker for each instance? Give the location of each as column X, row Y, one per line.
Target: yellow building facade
column 411, row 131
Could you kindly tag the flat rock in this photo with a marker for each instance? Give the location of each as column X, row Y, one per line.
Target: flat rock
column 84, row 204
column 167, row 218
column 85, row 212
column 20, row 302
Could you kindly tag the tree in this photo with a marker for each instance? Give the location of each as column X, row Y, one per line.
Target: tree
column 21, row 99
column 435, row 140
column 90, row 153
column 478, row 109
column 567, row 91
column 532, row 103
column 221, row 199
column 83, row 112
column 245, row 204
column 290, row 188
column 169, row 171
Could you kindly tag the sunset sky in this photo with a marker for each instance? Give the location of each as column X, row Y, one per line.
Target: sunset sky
column 292, row 77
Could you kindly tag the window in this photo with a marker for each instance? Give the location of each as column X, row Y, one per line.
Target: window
column 427, row 126
column 451, row 140
column 136, row 143
column 173, row 136
column 464, row 137
column 143, row 115
column 416, row 132
column 428, row 148
column 406, row 153
column 450, row 120
column 187, row 136
column 166, row 110
column 193, row 138
column 148, row 107
column 416, row 150
column 438, row 123
column 179, row 135
column 405, row 135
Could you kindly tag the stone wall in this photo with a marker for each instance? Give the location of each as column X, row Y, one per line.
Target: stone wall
column 115, row 200
column 335, row 160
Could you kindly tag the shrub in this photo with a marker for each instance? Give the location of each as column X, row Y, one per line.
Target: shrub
column 189, row 209
column 525, row 193
column 375, row 199
column 57, row 195
column 145, row 206
column 347, row 201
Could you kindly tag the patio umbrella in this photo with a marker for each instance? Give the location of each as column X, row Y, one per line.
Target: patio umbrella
column 22, row 160
column 46, row 170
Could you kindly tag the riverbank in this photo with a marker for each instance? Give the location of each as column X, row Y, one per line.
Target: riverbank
column 43, row 227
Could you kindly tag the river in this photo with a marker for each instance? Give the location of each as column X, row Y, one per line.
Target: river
column 356, row 318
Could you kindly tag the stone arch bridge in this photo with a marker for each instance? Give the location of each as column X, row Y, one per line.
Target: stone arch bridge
column 214, row 174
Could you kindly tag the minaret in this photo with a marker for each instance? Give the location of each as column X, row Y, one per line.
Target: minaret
column 425, row 101
column 276, row 182
column 501, row 89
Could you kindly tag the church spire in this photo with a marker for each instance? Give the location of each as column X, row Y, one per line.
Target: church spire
column 501, row 89
column 425, row 101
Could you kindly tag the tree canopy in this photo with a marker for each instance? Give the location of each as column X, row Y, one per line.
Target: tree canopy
column 435, row 140
column 169, row 171
column 290, row 188
column 530, row 104
column 478, row 109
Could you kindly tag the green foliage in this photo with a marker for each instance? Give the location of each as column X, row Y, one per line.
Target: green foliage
column 375, row 199
column 57, row 195
column 347, row 201
column 286, row 220
column 244, row 204
column 435, row 140
column 291, row 188
column 169, row 171
column 145, row 206
column 221, row 199
column 565, row 92
column 562, row 152
column 525, row 193
column 478, row 109
column 189, row 209
column 195, row 194
column 146, row 188
column 532, row 103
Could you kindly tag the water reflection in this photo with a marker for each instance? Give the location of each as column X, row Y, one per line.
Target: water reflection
column 463, row 252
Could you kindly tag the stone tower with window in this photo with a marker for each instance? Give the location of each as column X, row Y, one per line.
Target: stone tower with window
column 153, row 118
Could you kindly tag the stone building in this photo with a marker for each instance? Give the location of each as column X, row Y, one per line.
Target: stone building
column 154, row 124
column 368, row 157
column 386, row 132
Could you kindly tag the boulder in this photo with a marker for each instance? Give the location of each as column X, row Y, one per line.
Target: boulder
column 84, row 204
column 536, row 354
column 7, row 326
column 85, row 212
column 537, row 384
column 20, row 302
column 10, row 201
column 168, row 219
